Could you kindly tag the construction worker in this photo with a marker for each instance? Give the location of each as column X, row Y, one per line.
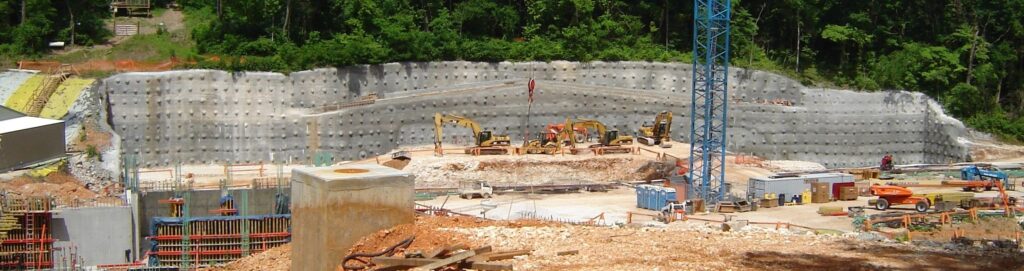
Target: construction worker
column 886, row 163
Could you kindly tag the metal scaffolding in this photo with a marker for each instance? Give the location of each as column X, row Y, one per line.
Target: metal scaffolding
column 710, row 98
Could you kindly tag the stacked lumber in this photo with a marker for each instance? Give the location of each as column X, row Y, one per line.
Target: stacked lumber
column 457, row 257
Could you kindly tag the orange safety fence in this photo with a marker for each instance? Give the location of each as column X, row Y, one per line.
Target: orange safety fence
column 748, row 160
column 232, row 168
column 125, row 65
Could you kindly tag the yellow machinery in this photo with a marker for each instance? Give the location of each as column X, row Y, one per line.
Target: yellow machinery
column 548, row 142
column 486, row 142
column 608, row 139
column 657, row 133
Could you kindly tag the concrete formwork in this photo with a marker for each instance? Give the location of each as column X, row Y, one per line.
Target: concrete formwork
column 333, row 207
column 101, row 234
column 203, row 203
column 203, row 116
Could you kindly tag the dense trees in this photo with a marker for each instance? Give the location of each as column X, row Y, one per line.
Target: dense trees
column 27, row 26
column 965, row 53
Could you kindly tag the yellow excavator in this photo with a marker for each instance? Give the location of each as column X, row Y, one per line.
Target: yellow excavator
column 549, row 142
column 657, row 133
column 486, row 142
column 608, row 139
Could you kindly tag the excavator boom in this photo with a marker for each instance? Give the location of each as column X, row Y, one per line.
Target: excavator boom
column 481, row 137
column 658, row 132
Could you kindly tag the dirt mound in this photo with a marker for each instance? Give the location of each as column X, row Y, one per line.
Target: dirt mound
column 63, row 186
column 275, row 259
column 428, row 233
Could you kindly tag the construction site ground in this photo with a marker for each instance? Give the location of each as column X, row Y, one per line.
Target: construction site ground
column 677, row 246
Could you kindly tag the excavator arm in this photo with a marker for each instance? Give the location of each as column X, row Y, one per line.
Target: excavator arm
column 440, row 119
column 663, row 125
column 589, row 124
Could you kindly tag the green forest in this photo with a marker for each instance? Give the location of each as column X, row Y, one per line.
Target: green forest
column 968, row 54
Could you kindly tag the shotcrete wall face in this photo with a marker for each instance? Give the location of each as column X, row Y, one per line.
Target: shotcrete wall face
column 203, row 116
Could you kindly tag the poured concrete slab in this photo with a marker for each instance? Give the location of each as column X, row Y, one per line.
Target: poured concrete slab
column 333, row 207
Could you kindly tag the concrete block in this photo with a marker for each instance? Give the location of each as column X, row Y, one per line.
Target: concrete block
column 333, row 207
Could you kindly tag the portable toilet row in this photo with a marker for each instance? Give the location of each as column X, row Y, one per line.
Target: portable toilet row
column 653, row 197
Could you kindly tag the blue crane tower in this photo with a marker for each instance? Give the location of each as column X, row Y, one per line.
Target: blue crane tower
column 710, row 98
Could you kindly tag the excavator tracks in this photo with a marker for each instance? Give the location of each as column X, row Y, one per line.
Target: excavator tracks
column 487, row 151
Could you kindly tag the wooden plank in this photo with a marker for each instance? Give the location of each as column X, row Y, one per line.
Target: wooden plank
column 568, row 252
column 501, row 255
column 482, row 250
column 488, row 266
column 450, row 260
column 441, row 251
column 397, row 261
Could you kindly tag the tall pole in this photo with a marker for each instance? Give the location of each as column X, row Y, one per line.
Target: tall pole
column 23, row 12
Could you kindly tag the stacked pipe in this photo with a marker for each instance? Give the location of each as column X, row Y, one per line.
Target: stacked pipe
column 217, row 239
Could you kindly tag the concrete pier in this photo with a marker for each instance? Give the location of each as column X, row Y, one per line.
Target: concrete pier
column 333, row 207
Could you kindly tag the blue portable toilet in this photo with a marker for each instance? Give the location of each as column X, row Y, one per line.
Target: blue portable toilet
column 644, row 190
column 640, row 196
column 662, row 195
column 655, row 197
column 670, row 195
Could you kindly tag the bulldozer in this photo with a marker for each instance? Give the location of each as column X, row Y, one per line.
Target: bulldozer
column 657, row 133
column 609, row 140
column 552, row 141
column 485, row 141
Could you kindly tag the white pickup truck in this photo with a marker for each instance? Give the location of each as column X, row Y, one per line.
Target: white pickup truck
column 476, row 189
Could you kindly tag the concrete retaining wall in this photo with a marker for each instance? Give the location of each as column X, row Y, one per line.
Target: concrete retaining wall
column 101, row 234
column 204, row 116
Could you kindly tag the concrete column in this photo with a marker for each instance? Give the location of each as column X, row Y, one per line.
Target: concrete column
column 333, row 207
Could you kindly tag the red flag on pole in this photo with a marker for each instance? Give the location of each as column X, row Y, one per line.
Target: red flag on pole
column 531, row 85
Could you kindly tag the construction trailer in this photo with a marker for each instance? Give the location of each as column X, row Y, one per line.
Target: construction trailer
column 26, row 241
column 795, row 184
column 25, row 140
column 214, row 239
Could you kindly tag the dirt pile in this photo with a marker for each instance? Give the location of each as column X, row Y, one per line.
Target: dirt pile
column 677, row 246
column 428, row 236
column 63, row 186
column 275, row 259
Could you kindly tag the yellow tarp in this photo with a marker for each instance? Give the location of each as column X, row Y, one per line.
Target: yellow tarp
column 22, row 97
column 46, row 170
column 64, row 97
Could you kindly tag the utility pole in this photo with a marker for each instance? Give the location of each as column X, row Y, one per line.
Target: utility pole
column 23, row 12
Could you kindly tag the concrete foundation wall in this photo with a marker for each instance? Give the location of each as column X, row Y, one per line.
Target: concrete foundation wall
column 101, row 234
column 203, row 116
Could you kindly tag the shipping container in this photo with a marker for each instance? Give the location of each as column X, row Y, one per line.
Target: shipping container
column 837, row 187
column 757, row 187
